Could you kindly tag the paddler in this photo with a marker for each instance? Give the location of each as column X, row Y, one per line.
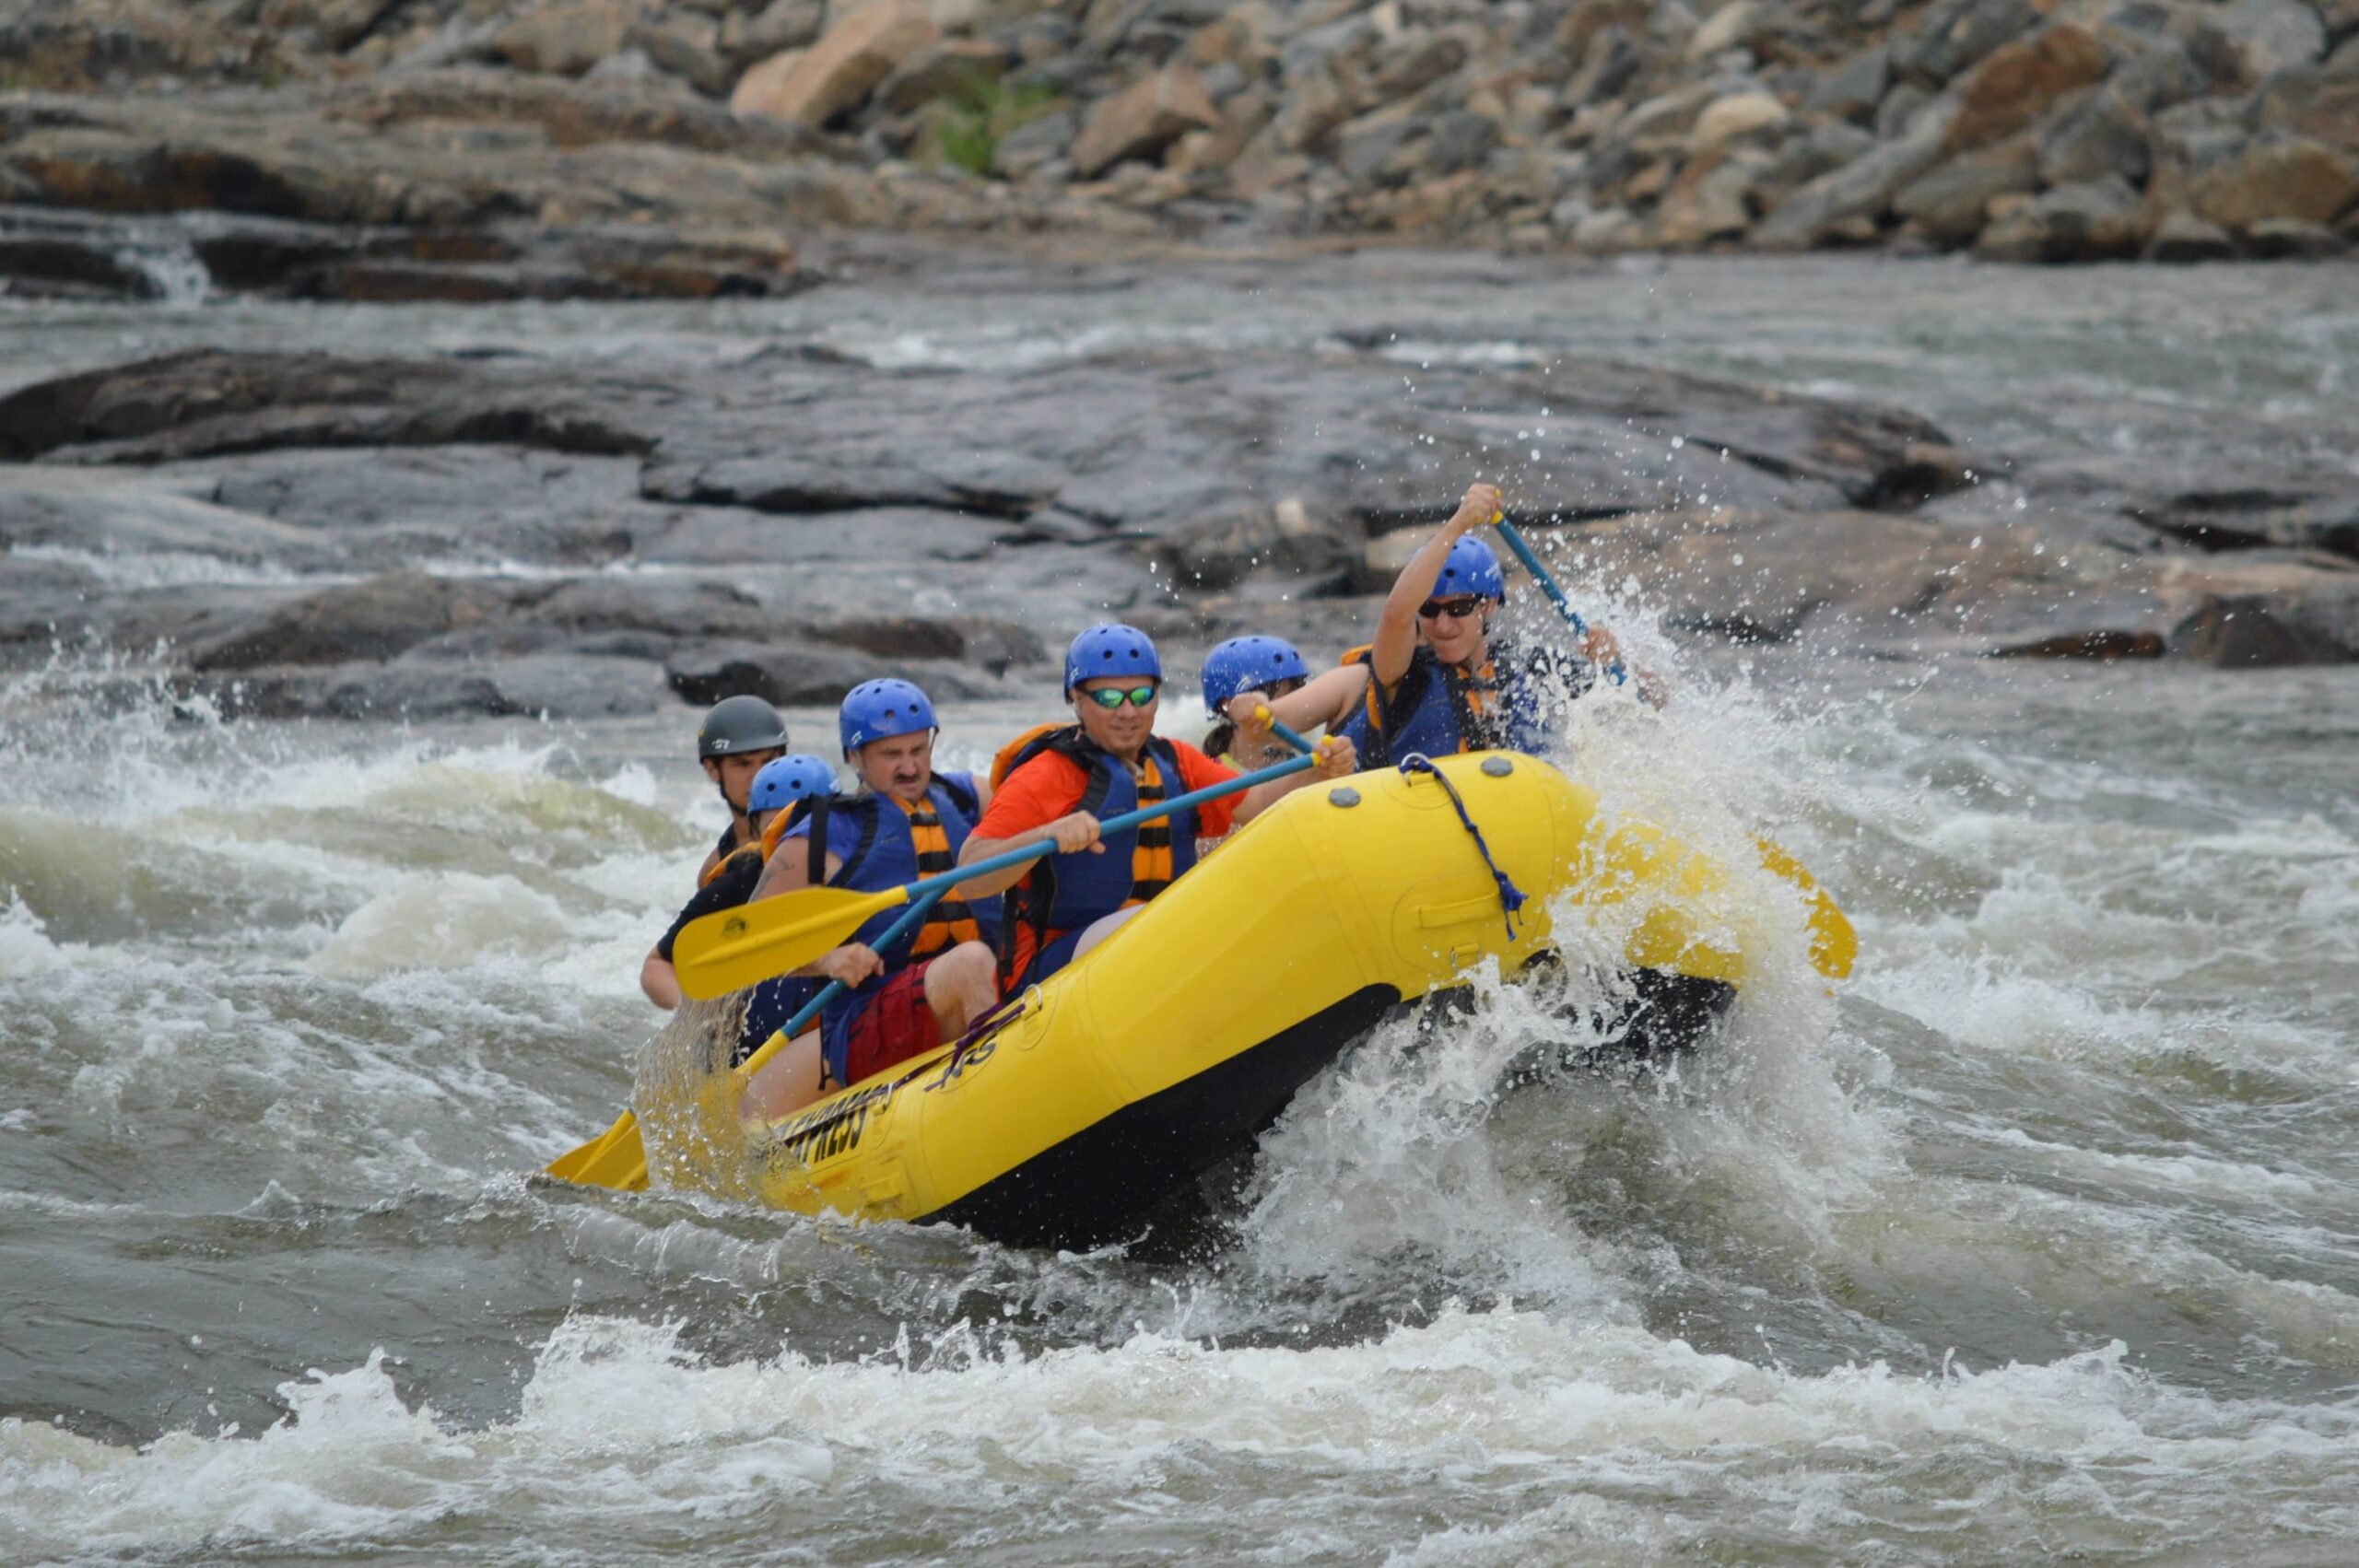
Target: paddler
column 781, row 785
column 1265, row 667
column 1435, row 681
column 1057, row 783
column 739, row 737
column 907, row 822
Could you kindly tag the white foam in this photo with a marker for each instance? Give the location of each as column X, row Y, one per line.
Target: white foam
column 617, row 1422
column 452, row 921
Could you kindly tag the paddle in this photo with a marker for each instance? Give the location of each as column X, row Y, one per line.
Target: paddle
column 731, row 949
column 1268, row 720
column 1523, row 551
column 617, row 1157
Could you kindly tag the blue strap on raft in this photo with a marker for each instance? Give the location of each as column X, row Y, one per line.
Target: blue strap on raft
column 1510, row 896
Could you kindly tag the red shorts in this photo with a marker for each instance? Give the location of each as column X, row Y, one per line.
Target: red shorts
column 896, row 1025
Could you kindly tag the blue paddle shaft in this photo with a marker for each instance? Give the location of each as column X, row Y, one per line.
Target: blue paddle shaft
column 1523, row 551
column 910, row 919
column 1017, row 856
column 1290, row 737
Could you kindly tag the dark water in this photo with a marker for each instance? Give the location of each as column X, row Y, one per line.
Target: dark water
column 2037, row 1240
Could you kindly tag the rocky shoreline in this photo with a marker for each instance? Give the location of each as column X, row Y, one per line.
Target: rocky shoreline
column 484, row 149
column 321, row 534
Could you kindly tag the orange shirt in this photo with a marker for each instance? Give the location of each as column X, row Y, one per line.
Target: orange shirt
column 1050, row 786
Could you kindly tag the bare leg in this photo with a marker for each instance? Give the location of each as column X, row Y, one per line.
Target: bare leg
column 961, row 985
column 788, row 1082
column 1102, row 928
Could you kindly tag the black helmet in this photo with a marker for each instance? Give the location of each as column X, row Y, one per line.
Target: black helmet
column 739, row 724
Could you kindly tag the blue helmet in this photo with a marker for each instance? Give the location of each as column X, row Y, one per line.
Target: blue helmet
column 1470, row 568
column 878, row 711
column 789, row 779
column 1110, row 650
column 1244, row 662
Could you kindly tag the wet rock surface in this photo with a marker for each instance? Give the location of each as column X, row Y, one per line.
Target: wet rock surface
column 288, row 534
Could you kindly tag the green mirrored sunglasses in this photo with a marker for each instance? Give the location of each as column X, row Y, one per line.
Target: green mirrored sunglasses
column 1114, row 696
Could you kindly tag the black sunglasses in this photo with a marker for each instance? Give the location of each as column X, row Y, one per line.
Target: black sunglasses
column 1110, row 698
column 1460, row 609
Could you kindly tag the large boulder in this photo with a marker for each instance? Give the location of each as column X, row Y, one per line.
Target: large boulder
column 836, row 75
column 564, row 40
column 1852, row 89
column 1949, row 205
column 1957, row 33
column 2321, row 103
column 755, row 32
column 2104, row 135
column 2272, row 34
column 1738, row 115
column 2021, row 81
column 374, row 619
column 2096, row 220
column 2276, row 176
column 1142, row 120
column 1860, row 190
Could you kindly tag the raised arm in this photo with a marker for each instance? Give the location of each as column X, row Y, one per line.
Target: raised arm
column 1396, row 627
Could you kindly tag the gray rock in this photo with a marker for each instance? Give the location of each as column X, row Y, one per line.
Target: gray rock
column 2273, row 34
column 753, row 33
column 802, row 673
column 2293, row 239
column 1366, row 144
column 1030, row 147
column 1958, row 34
column 2253, row 632
column 1899, row 110
column 1852, row 89
column 2096, row 220
column 1858, row 189
column 2105, row 134
column 2183, row 238
column 1950, row 203
column 1459, row 140
column 375, row 619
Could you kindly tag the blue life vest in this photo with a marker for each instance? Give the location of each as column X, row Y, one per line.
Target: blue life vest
column 873, row 835
column 1439, row 710
column 771, row 1008
column 1064, row 893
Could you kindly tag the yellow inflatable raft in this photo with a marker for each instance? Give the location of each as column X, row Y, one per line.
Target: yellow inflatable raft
column 1179, row 1038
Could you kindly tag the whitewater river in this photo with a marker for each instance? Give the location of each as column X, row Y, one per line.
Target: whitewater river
column 2038, row 1240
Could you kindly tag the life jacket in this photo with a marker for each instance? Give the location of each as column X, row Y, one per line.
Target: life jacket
column 896, row 846
column 1065, row 892
column 1442, row 709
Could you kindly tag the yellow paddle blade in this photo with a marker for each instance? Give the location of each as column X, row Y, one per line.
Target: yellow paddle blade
column 616, row 1158
column 731, row 949
column 1834, row 945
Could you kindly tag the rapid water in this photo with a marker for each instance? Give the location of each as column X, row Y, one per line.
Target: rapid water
column 2035, row 1240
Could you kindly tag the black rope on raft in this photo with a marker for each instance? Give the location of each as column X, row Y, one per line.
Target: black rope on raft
column 1510, row 896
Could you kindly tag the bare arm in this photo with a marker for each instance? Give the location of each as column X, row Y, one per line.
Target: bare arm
column 1396, row 627
column 788, row 870
column 657, row 980
column 1328, row 699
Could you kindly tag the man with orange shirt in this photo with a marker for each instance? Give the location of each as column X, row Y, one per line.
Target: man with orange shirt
column 1109, row 763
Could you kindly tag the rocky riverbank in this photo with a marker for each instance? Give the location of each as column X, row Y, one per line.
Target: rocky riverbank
column 323, row 533
column 371, row 150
